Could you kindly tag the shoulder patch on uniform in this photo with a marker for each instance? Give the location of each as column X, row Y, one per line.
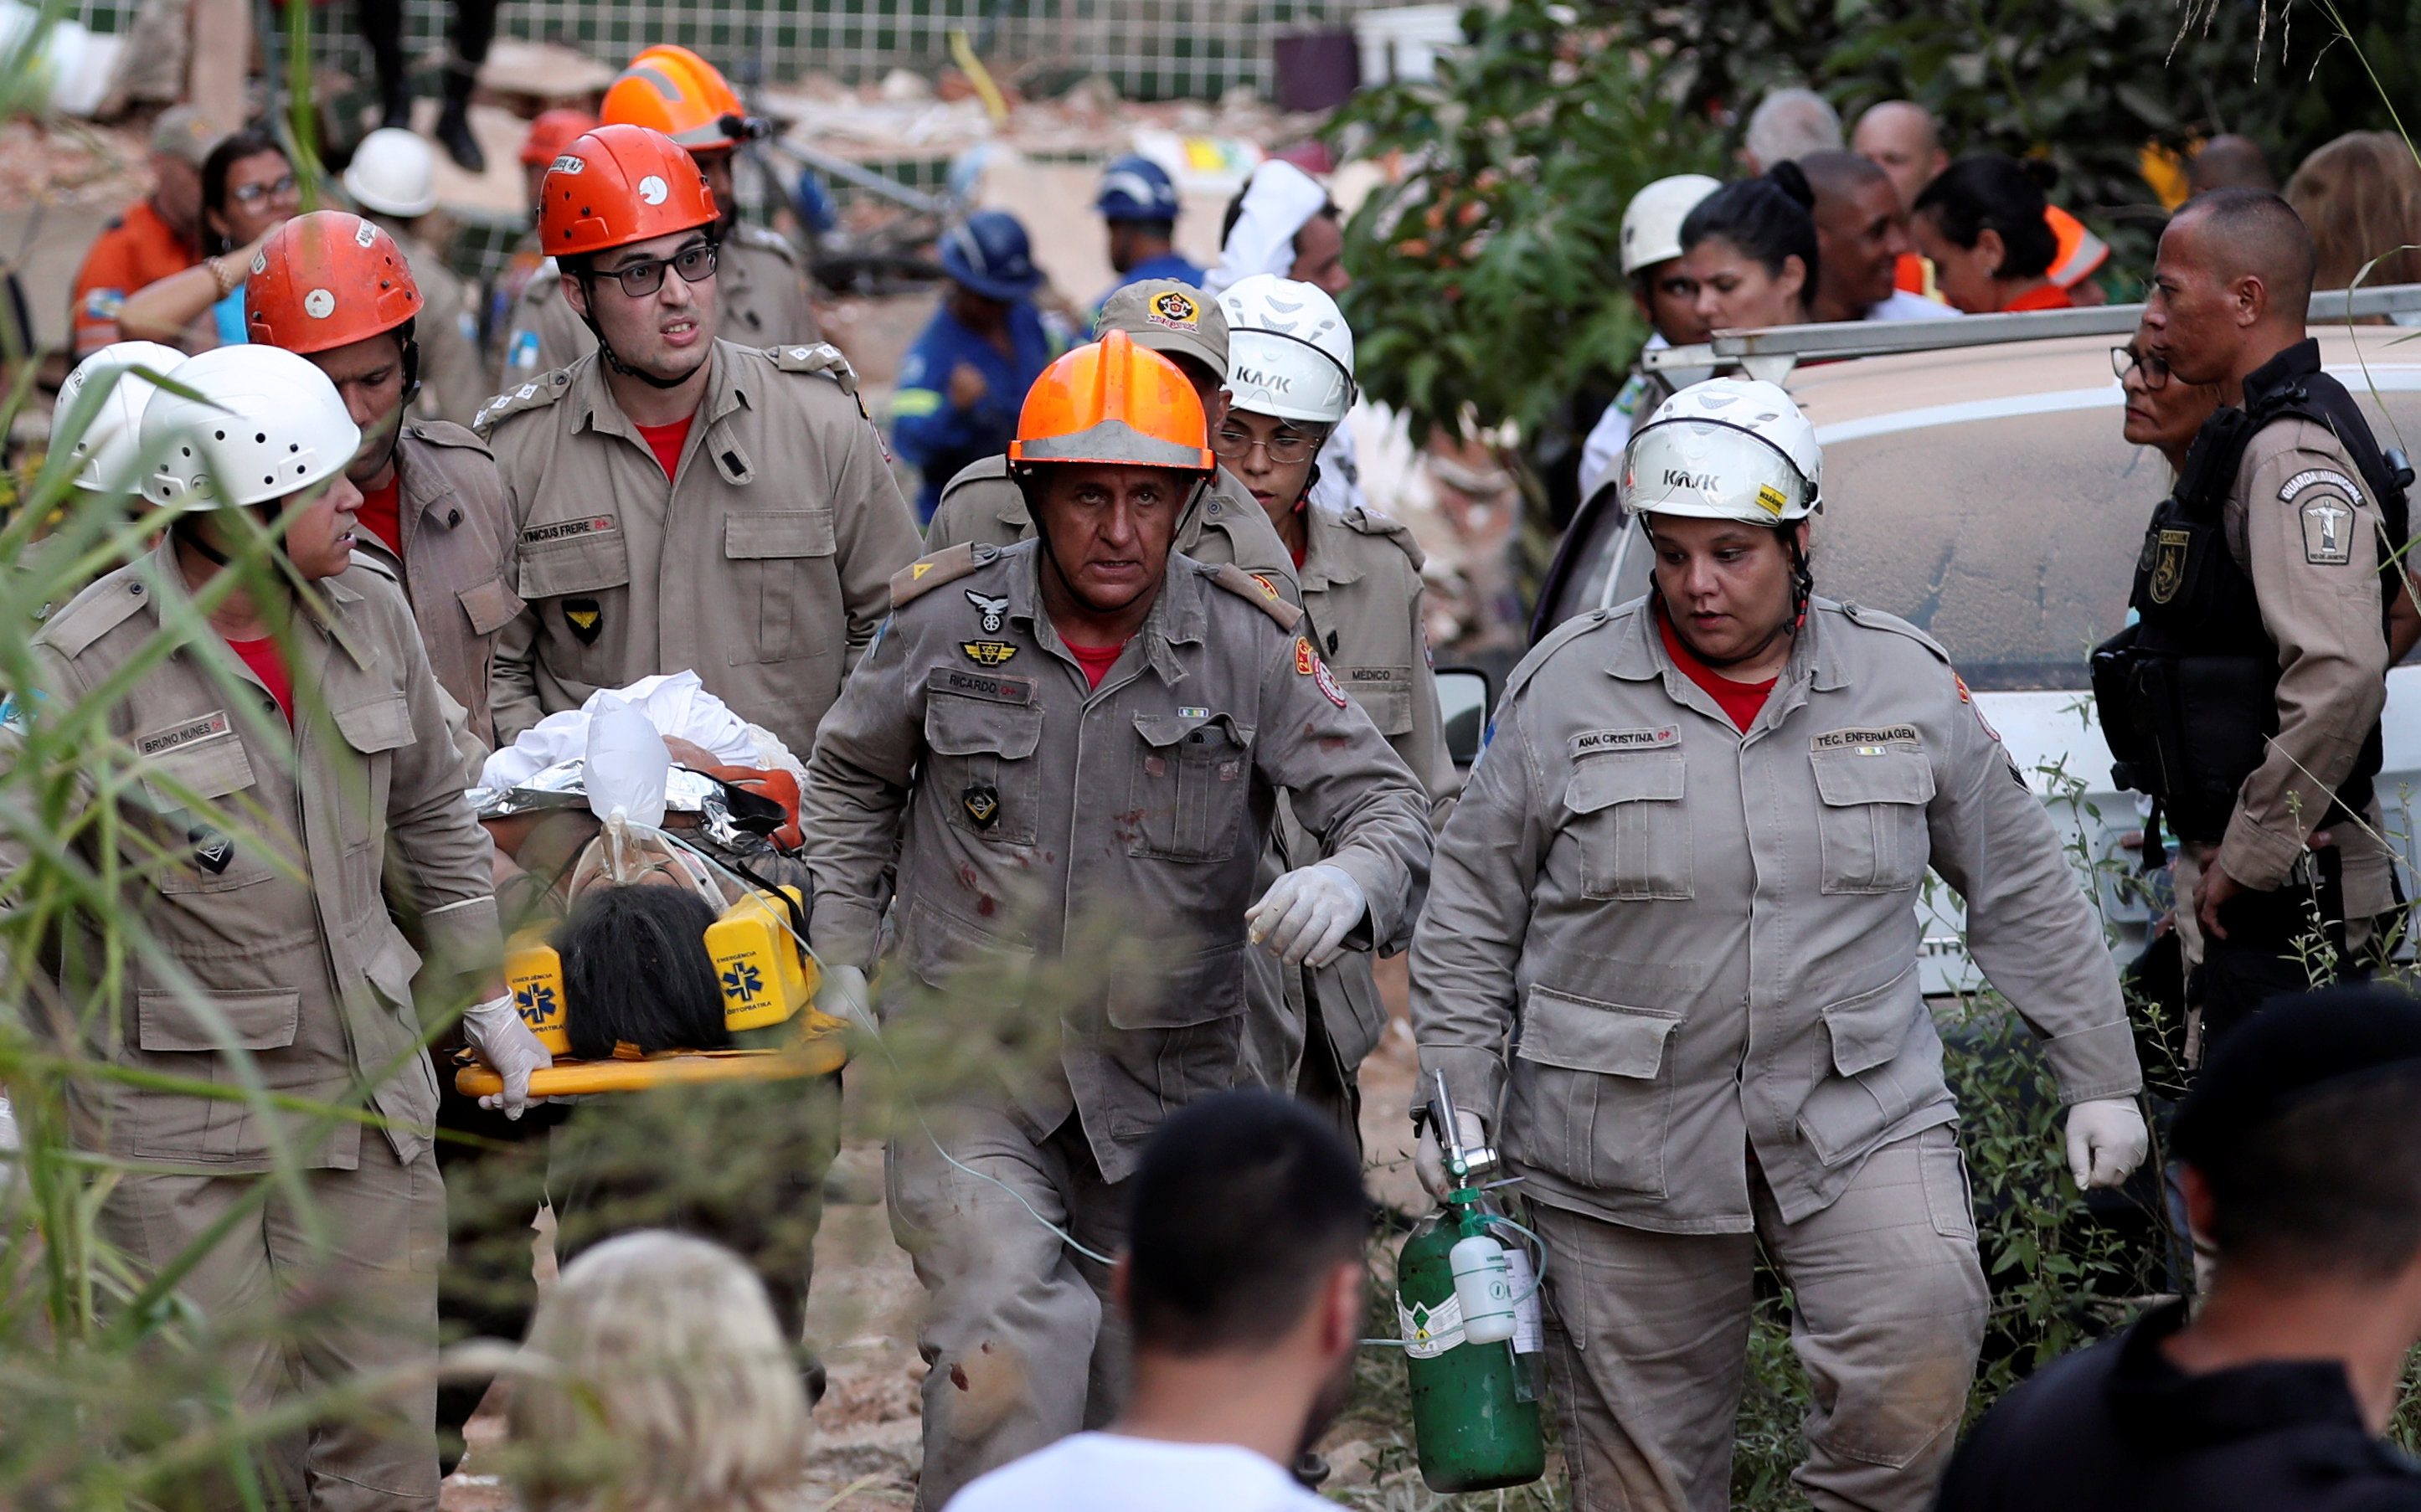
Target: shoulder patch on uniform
column 96, row 612
column 535, row 395
column 2310, row 475
column 1876, row 619
column 1368, row 522
column 446, row 434
column 820, row 357
column 925, row 575
column 1243, row 586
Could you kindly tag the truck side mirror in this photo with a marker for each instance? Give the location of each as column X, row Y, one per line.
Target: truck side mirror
column 1462, row 708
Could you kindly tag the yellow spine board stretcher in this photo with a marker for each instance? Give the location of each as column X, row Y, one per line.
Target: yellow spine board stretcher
column 767, row 978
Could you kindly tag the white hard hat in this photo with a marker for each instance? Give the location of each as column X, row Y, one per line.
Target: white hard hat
column 1729, row 448
column 394, row 172
column 109, row 453
column 1651, row 222
column 1289, row 352
column 273, row 425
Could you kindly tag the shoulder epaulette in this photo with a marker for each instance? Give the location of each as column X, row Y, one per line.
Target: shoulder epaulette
column 446, row 434
column 765, row 239
column 924, row 575
column 1261, row 595
column 1363, row 520
column 821, row 358
column 536, row 394
column 1556, row 640
column 1876, row 619
column 377, row 566
column 97, row 611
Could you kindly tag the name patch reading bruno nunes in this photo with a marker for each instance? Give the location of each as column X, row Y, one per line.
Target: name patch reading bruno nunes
column 213, row 723
column 1887, row 735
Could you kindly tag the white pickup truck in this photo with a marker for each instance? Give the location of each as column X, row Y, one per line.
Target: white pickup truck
column 1983, row 493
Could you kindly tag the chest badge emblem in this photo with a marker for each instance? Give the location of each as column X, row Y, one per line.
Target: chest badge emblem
column 983, row 803
column 987, row 653
column 585, row 617
column 994, row 611
column 212, row 850
column 2168, row 564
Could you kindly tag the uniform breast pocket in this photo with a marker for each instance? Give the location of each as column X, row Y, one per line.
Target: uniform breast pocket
column 206, row 853
column 983, row 767
column 782, row 562
column 580, row 585
column 1385, row 694
column 1633, row 832
column 1871, row 823
column 372, row 726
column 1192, row 770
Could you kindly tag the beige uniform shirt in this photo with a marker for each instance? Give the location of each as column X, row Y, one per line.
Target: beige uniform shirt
column 1673, row 947
column 453, row 376
column 280, row 916
column 1017, row 805
column 457, row 566
column 1223, row 523
column 764, row 564
column 760, row 294
column 2300, row 523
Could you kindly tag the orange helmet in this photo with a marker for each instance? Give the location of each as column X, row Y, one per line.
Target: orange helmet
column 620, row 184
column 1113, row 402
column 673, row 91
column 551, row 133
column 324, row 280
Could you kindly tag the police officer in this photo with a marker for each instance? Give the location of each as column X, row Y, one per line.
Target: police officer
column 1222, row 523
column 961, row 381
column 2246, row 700
column 393, row 178
column 763, row 288
column 309, row 720
column 1681, row 882
column 338, row 290
column 1139, row 203
column 1290, row 370
column 1085, row 729
column 682, row 502
column 1668, row 297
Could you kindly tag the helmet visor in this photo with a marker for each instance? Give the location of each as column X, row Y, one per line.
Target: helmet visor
column 1709, row 471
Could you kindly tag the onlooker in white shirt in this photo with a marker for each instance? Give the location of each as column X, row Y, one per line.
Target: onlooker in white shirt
column 1243, row 1285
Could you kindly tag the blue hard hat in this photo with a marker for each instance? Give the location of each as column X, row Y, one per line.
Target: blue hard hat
column 991, row 255
column 1136, row 188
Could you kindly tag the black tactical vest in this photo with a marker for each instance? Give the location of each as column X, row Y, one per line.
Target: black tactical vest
column 2188, row 694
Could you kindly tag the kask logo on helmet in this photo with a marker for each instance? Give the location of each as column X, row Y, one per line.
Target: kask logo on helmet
column 1254, row 378
column 1677, row 478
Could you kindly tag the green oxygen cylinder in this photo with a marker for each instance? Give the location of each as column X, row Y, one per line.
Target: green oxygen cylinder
column 1477, row 1421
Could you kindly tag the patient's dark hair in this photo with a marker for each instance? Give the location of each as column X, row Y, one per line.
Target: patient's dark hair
column 1243, row 1205
column 635, row 970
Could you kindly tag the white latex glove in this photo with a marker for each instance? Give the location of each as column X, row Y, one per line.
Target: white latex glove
column 2106, row 1141
column 1429, row 1161
column 498, row 1037
column 843, row 995
column 1306, row 913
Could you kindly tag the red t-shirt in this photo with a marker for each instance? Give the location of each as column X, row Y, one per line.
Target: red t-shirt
column 270, row 667
column 667, row 442
column 381, row 512
column 1739, row 701
column 1096, row 660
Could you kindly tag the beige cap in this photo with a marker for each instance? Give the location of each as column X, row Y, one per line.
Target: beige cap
column 186, row 134
column 1172, row 319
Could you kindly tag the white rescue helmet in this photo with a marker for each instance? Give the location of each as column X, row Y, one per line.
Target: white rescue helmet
column 273, row 425
column 109, row 454
column 1289, row 352
column 1729, row 448
column 1651, row 222
column 394, row 172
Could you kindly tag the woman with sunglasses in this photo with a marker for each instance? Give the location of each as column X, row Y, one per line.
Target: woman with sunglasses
column 1290, row 372
column 248, row 192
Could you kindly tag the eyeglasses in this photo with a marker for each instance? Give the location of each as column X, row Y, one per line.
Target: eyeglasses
column 695, row 264
column 1286, row 448
column 254, row 194
column 2125, row 359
